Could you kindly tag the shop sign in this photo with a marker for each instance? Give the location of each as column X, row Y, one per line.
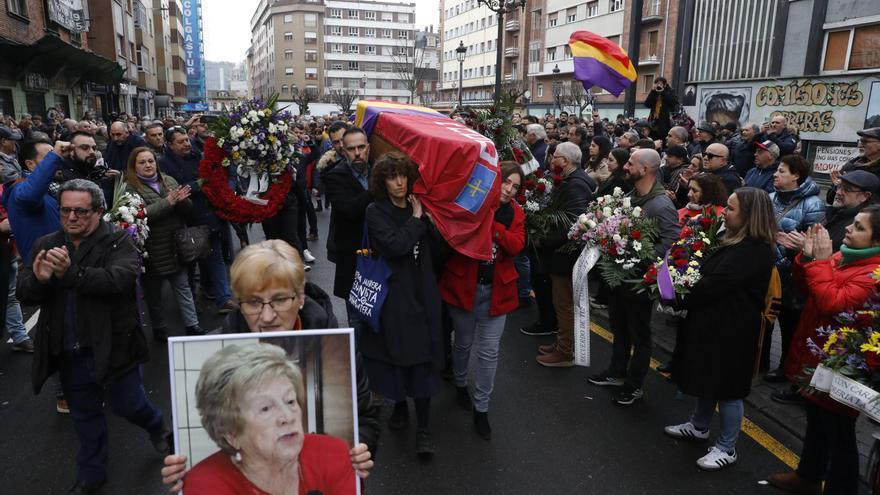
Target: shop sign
column 32, row 80
column 69, row 14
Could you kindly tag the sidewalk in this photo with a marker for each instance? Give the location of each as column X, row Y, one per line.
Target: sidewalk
column 790, row 417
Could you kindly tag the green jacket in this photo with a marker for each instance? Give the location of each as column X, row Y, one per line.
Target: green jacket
column 164, row 220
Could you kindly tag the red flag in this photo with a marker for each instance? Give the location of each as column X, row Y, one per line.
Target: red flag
column 460, row 180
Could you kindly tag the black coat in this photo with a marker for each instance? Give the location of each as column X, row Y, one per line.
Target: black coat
column 103, row 271
column 574, row 194
column 660, row 122
column 185, row 170
column 317, row 314
column 116, row 155
column 838, row 219
column 743, row 156
column 724, row 321
column 410, row 320
column 729, row 177
column 350, row 201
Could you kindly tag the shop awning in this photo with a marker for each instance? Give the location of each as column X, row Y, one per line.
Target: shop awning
column 50, row 53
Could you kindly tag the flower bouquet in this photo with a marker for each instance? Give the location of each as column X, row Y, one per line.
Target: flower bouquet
column 849, row 371
column 129, row 212
column 543, row 207
column 254, row 141
column 496, row 124
column 685, row 257
column 623, row 236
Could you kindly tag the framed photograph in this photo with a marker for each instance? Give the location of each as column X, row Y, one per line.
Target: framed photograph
column 231, row 367
column 725, row 105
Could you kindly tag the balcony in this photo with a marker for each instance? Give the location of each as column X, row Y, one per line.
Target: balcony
column 511, row 52
column 509, row 77
column 652, row 13
column 511, row 25
column 649, row 60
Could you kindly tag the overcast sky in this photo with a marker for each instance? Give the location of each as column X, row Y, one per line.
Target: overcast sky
column 228, row 33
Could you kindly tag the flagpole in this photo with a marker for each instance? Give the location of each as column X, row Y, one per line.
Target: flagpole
column 635, row 36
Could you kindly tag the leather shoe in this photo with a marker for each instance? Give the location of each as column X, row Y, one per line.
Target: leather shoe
column 481, row 425
column 775, row 376
column 84, row 487
column 195, row 330
column 463, row 398
column 787, row 397
column 792, row 483
column 160, row 334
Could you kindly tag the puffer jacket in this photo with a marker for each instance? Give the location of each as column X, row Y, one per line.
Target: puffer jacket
column 802, row 207
column 163, row 219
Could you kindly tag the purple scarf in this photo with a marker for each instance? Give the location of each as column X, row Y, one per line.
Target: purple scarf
column 153, row 182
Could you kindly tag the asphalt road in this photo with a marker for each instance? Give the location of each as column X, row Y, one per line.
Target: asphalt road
column 552, row 432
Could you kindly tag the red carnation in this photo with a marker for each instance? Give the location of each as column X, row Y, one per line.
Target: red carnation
column 680, row 263
column 687, row 232
column 141, row 214
column 539, row 173
column 530, row 184
column 873, row 360
column 699, row 245
column 705, row 222
column 123, row 225
column 636, row 234
column 603, row 242
column 518, row 155
column 541, row 187
column 612, row 250
column 557, row 180
column 864, row 319
column 521, row 199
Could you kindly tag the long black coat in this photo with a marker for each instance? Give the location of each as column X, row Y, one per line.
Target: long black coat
column 724, row 321
column 163, row 219
column 103, row 271
column 350, row 201
column 574, row 194
column 410, row 321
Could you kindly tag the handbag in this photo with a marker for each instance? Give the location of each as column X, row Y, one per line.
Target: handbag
column 370, row 287
column 192, row 243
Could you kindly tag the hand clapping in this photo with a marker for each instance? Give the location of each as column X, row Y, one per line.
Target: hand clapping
column 179, row 194
column 817, row 243
column 55, row 261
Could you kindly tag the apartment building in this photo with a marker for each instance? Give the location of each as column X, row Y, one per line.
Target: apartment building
column 657, row 45
column 367, row 46
column 116, row 40
column 285, row 52
column 147, row 66
column 171, row 72
column 464, row 23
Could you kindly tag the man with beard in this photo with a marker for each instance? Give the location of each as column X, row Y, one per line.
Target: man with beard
column 122, row 142
column 154, row 134
column 331, row 158
column 629, row 312
column 82, row 163
column 348, row 190
column 182, row 163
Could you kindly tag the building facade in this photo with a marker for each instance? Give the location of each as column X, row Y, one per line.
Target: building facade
column 148, row 68
column 370, row 47
column 813, row 61
column 178, row 53
column 117, row 40
column 170, row 76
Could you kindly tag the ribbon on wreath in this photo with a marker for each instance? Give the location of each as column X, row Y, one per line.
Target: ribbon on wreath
column 580, row 287
column 664, row 280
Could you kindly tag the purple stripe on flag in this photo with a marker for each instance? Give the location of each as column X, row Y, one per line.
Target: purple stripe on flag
column 664, row 280
column 592, row 72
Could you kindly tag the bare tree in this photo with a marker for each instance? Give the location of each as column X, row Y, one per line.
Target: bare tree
column 513, row 89
column 560, row 96
column 343, row 98
column 410, row 66
column 579, row 97
column 302, row 98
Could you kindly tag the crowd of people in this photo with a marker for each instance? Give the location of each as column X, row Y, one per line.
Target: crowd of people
column 83, row 272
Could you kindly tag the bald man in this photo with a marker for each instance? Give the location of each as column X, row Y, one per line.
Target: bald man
column 777, row 131
column 121, row 143
column 629, row 312
column 716, row 160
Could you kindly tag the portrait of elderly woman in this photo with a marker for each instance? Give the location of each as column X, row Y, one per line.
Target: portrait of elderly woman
column 249, row 399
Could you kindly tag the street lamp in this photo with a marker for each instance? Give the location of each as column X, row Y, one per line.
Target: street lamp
column 460, row 54
column 364, row 85
column 500, row 7
column 557, row 88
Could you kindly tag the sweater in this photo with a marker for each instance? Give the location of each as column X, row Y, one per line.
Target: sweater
column 33, row 212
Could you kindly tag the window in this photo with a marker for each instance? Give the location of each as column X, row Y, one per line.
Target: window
column 592, row 9
column 370, row 15
column 652, row 44
column 288, row 36
column 387, row 16
column 353, row 66
column 567, row 51
column 647, row 82
column 19, row 8
column 311, row 37
column 540, row 90
column 353, row 14
column 284, row 88
column 862, row 44
column 386, row 33
column 403, row 17
column 354, row 49
column 288, row 71
column 353, row 31
column 385, row 68
column 336, row 48
column 288, row 18
column 335, row 30
column 310, row 20
column 615, row 5
column 370, row 32
column 336, row 66
column 571, row 15
column 311, row 74
column 551, row 54
column 288, row 54
column 370, row 67
column 404, row 35
column 370, row 50
column 336, row 13
column 551, row 20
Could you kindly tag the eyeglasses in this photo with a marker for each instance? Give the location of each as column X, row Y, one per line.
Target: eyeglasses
column 848, row 188
column 79, row 212
column 710, row 156
column 278, row 305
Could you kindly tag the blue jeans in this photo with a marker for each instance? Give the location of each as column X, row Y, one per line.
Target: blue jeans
column 523, row 284
column 731, row 412
column 14, row 318
column 86, row 397
column 214, row 268
column 477, row 328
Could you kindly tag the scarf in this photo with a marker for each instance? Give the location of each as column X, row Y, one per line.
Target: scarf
column 153, row 182
column 848, row 254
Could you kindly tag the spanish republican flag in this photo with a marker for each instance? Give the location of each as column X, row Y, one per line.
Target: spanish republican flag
column 600, row 62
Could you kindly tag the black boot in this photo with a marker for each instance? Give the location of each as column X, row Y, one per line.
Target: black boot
column 463, row 397
column 195, row 330
column 160, row 334
column 424, row 444
column 481, row 424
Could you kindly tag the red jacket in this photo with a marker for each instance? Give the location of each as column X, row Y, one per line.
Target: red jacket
column 830, row 289
column 458, row 285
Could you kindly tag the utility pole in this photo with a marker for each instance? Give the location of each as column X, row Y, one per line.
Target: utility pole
column 635, row 38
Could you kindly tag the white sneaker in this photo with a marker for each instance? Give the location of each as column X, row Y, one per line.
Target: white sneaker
column 307, row 256
column 307, row 268
column 687, row 431
column 716, row 459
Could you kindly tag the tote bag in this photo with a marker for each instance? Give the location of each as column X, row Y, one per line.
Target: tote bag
column 370, row 287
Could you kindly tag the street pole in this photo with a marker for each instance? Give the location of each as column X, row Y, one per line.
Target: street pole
column 460, row 54
column 498, row 55
column 635, row 36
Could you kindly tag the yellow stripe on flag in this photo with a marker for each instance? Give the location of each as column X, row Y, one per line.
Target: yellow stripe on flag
column 581, row 49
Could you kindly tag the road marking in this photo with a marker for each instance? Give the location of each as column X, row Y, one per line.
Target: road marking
column 31, row 323
column 754, row 431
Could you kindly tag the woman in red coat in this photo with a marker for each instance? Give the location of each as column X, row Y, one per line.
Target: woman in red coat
column 833, row 283
column 480, row 294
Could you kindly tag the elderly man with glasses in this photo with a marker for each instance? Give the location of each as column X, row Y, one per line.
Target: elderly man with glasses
column 83, row 278
column 868, row 159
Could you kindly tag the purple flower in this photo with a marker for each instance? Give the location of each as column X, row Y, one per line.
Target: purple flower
column 814, row 348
